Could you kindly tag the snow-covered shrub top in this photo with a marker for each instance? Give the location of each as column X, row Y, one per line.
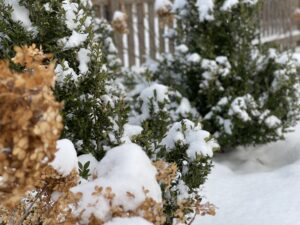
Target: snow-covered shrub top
column 187, row 133
column 128, row 174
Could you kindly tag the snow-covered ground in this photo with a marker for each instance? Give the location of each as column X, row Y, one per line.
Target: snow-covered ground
column 257, row 186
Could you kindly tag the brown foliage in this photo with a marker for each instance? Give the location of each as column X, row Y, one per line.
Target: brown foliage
column 30, row 123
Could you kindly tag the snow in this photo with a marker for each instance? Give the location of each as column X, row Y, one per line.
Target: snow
column 194, row 58
column 130, row 131
column 83, row 159
column 128, row 221
column 83, row 57
column 125, row 169
column 20, row 14
column 118, row 15
column 182, row 48
column 75, row 40
column 272, row 121
column 71, row 15
column 256, row 185
column 65, row 160
column 179, row 4
column 64, row 70
column 205, row 8
column 228, row 4
column 238, row 108
column 162, row 5
column 157, row 93
column 191, row 134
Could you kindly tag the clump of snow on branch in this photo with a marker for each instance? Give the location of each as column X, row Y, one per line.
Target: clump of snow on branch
column 20, row 14
column 83, row 57
column 188, row 133
column 65, row 160
column 205, row 8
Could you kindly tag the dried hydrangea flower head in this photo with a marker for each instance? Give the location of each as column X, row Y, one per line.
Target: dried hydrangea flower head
column 119, row 22
column 30, row 123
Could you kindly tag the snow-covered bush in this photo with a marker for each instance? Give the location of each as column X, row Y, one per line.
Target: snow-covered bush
column 181, row 148
column 245, row 91
column 93, row 111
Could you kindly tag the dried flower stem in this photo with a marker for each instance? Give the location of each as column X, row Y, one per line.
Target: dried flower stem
column 27, row 211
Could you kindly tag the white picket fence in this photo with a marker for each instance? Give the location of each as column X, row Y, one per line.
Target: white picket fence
column 146, row 36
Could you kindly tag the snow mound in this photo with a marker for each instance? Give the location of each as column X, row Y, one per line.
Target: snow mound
column 128, row 221
column 128, row 174
column 65, row 160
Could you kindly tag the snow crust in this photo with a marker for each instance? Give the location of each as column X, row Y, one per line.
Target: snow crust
column 125, row 169
column 256, row 185
column 128, row 221
column 65, row 160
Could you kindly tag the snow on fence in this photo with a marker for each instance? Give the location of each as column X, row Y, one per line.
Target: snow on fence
column 146, row 32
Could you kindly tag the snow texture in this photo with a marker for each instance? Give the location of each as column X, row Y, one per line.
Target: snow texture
column 256, row 185
column 187, row 133
column 20, row 14
column 205, row 8
column 65, row 160
column 128, row 221
column 125, row 169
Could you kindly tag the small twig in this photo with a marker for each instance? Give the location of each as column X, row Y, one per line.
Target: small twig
column 190, row 223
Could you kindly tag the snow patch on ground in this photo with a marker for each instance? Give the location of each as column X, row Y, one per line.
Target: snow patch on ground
column 256, row 185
